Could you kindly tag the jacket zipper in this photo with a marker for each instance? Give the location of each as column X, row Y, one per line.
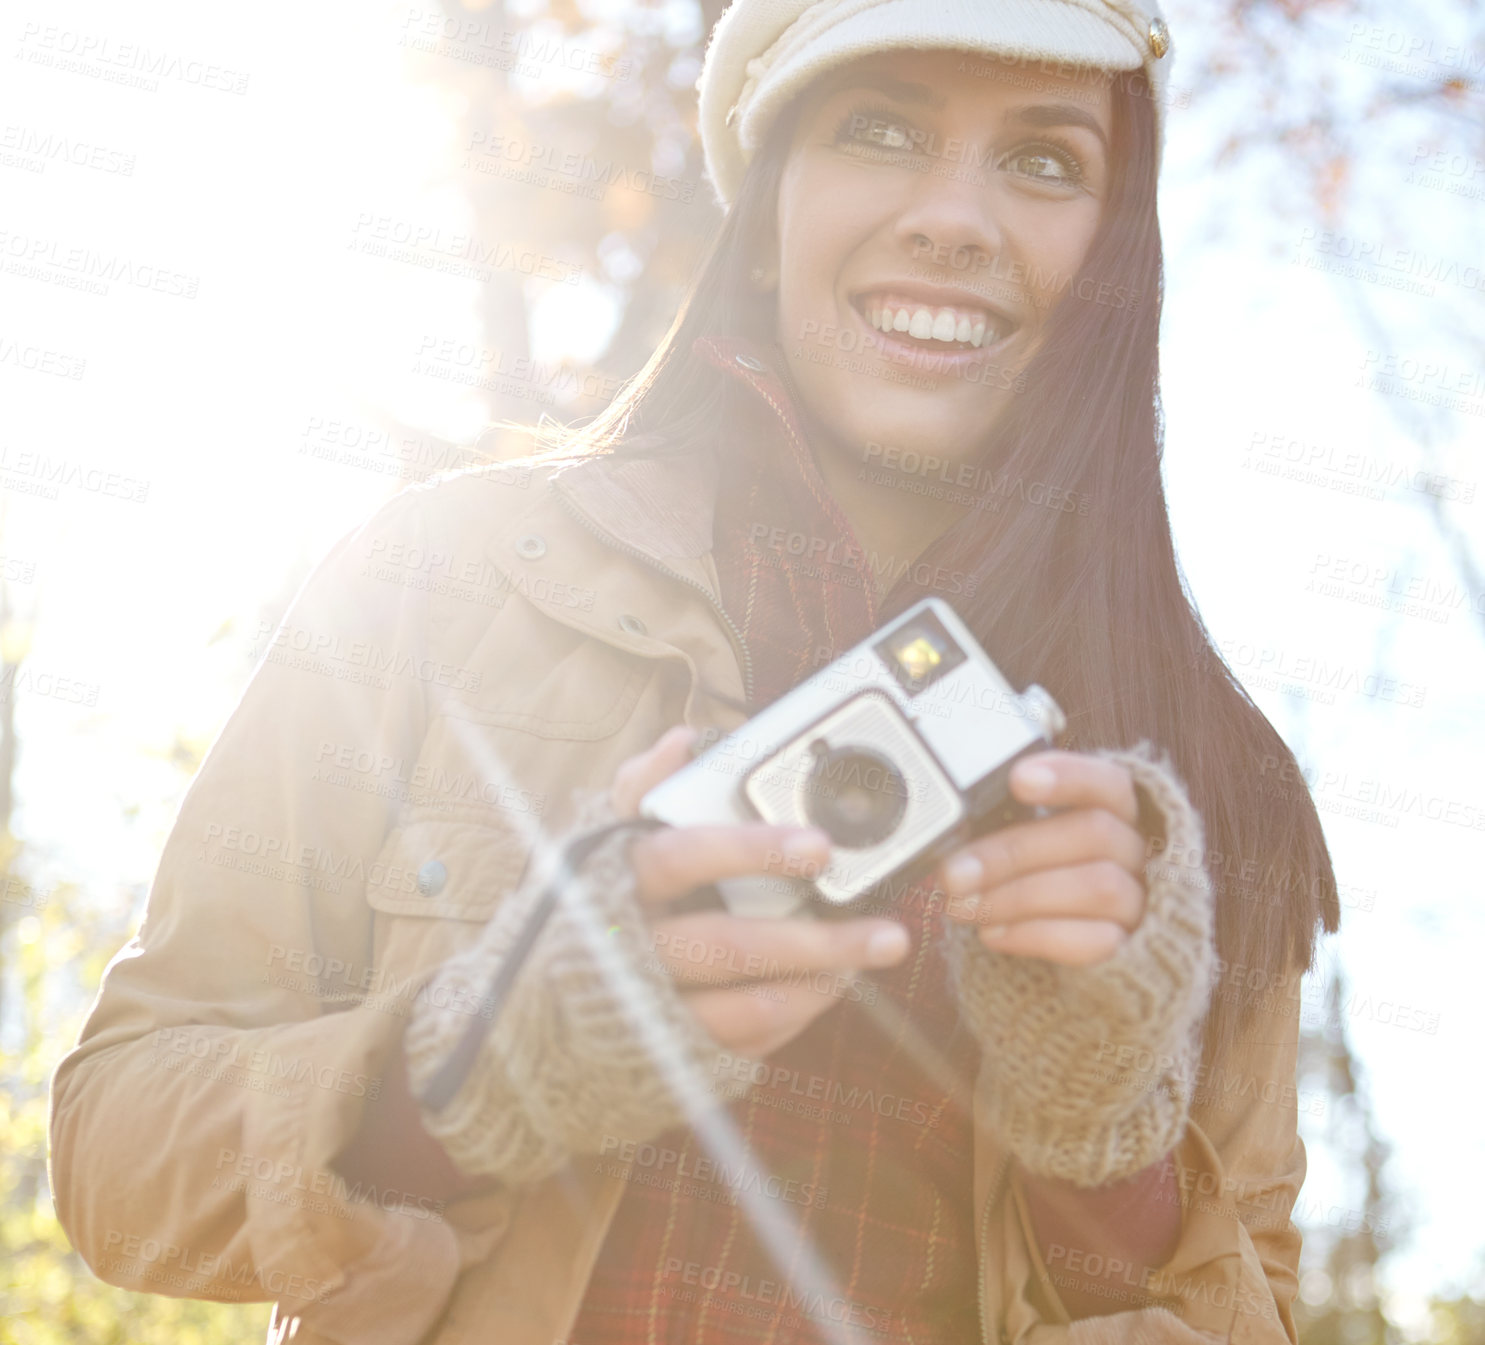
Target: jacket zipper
column 739, row 644
column 995, row 1186
column 745, row 659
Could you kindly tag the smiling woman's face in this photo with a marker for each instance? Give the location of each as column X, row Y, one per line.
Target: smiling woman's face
column 929, row 215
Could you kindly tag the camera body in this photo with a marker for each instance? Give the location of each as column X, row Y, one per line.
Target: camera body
column 900, row 750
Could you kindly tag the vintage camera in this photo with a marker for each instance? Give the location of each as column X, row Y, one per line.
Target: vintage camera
column 900, row 750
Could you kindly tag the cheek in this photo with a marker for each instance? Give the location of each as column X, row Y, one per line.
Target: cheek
column 1058, row 250
column 805, row 293
column 804, row 264
column 792, row 308
column 823, row 219
column 794, row 267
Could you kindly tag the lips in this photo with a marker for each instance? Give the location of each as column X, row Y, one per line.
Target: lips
column 963, row 325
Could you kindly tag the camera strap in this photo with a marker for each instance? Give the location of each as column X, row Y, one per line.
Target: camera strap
column 452, row 1073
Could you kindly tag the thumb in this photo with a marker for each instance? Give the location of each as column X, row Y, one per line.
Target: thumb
column 641, row 773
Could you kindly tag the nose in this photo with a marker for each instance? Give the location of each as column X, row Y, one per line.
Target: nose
column 951, row 218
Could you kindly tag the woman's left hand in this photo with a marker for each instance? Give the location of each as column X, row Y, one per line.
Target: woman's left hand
column 1069, row 888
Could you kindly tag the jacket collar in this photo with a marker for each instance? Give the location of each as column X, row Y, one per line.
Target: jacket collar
column 662, row 510
column 666, row 508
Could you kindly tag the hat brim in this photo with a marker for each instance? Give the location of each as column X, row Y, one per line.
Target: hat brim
column 1011, row 31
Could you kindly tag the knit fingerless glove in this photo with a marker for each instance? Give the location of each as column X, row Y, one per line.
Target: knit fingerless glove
column 593, row 1042
column 1053, row 1037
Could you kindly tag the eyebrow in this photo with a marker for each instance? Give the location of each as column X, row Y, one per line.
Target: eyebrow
column 1039, row 115
column 1043, row 115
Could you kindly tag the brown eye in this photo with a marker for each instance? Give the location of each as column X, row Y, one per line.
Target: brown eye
column 1044, row 164
column 887, row 135
column 876, row 129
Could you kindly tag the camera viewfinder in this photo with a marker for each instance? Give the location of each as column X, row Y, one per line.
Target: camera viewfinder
column 919, row 652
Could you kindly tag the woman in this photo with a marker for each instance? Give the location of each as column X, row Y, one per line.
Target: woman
column 1058, row 1105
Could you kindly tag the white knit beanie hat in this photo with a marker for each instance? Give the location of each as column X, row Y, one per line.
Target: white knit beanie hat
column 763, row 52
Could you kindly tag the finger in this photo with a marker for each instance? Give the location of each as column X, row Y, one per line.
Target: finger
column 712, row 948
column 676, row 860
column 1075, row 780
column 640, row 773
column 1078, row 836
column 1073, row 943
column 756, row 1021
column 1100, row 891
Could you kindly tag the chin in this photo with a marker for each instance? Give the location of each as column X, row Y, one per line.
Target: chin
column 951, row 439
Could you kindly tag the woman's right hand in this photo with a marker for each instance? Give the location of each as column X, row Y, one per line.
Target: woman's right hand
column 757, row 984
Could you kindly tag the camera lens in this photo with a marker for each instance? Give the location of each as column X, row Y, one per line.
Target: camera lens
column 855, row 794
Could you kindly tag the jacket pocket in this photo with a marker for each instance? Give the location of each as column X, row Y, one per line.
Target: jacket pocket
column 550, row 681
column 452, row 869
column 433, row 887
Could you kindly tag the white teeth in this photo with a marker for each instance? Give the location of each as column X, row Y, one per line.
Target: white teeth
column 924, row 324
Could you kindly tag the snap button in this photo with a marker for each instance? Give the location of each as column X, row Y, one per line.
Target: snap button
column 431, row 878
column 632, row 624
column 1159, row 38
column 532, row 546
column 748, row 362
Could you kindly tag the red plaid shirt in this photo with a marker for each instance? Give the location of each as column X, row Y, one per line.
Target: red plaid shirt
column 867, row 1153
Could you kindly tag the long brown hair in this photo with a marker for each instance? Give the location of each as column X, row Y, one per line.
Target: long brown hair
column 1092, row 605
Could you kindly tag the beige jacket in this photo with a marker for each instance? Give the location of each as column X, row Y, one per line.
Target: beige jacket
column 444, row 680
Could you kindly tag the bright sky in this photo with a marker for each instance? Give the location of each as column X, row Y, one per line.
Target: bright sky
column 140, row 613
column 1320, row 582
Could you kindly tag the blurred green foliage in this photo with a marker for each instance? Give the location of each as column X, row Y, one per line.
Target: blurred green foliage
column 54, row 947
